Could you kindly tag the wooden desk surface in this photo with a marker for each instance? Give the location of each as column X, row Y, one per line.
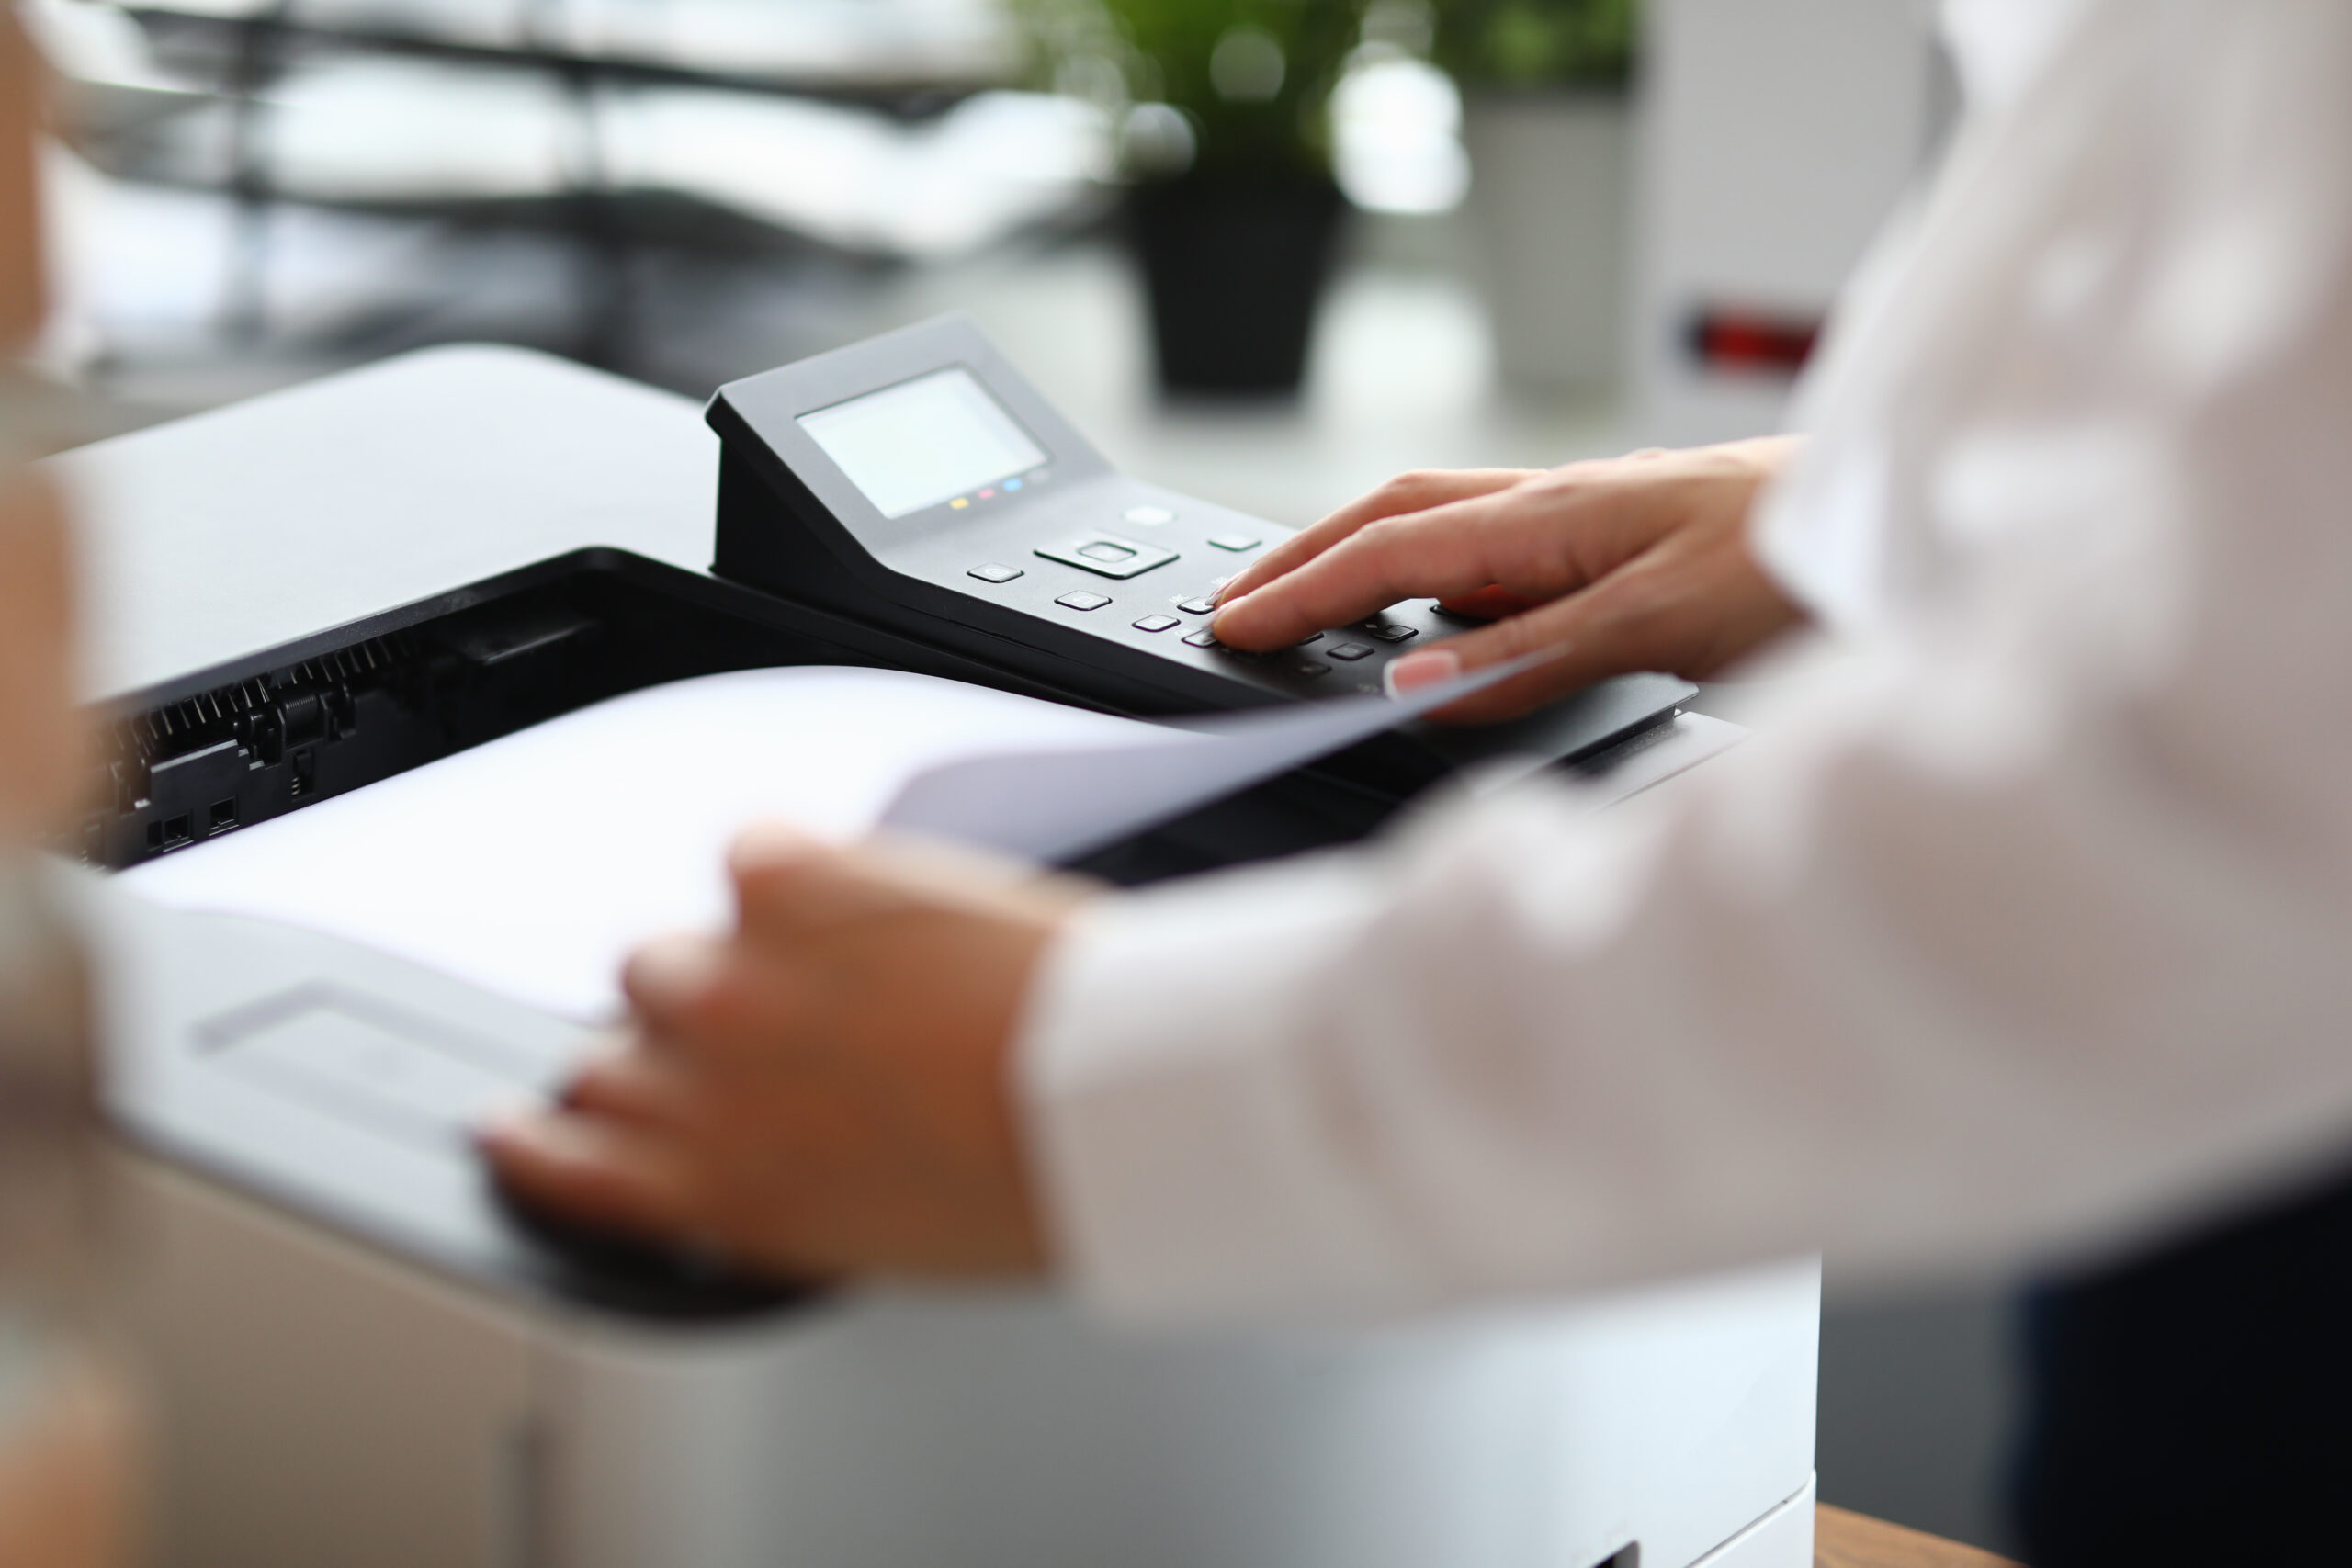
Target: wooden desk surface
column 1843, row 1540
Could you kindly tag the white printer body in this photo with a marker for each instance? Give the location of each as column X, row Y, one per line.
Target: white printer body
column 360, row 1359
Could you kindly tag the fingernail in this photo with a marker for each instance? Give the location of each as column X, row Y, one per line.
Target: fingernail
column 771, row 842
column 511, row 1127
column 1430, row 667
column 669, row 973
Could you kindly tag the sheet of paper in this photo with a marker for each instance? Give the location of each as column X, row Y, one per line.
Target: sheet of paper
column 1051, row 802
column 531, row 865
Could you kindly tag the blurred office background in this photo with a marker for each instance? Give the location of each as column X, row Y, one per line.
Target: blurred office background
column 1269, row 251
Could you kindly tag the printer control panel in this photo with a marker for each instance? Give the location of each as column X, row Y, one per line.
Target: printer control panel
column 1137, row 568
column 919, row 481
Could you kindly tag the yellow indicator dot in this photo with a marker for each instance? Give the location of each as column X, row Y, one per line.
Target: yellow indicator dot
column 959, row 504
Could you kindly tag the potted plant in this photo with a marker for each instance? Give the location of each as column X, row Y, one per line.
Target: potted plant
column 1547, row 121
column 1226, row 146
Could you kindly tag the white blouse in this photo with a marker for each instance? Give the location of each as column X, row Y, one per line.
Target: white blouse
column 2022, row 930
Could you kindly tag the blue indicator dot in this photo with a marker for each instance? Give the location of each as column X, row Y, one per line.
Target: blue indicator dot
column 1012, row 484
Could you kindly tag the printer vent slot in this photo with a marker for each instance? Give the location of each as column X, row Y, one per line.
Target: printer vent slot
column 180, row 772
column 199, row 764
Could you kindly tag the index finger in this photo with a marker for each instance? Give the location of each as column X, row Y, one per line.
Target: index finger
column 1514, row 538
column 1415, row 492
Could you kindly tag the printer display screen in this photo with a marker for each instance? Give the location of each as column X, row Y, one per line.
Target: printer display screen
column 922, row 441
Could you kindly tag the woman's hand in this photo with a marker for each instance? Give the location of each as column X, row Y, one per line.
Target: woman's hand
column 827, row 1089
column 1634, row 563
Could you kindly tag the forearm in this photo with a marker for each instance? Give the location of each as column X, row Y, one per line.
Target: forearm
column 1851, row 999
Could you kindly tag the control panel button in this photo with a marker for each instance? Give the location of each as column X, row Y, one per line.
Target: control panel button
column 1149, row 516
column 1157, row 623
column 1080, row 599
column 994, row 573
column 1351, row 651
column 1389, row 631
column 1202, row 638
column 1307, row 669
column 1309, row 637
column 1234, row 541
column 1108, row 556
column 1200, row 606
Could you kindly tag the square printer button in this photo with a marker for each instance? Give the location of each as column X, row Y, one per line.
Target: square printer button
column 1080, row 599
column 1389, row 631
column 1350, row 651
column 1307, row 669
column 1157, row 623
column 993, row 573
column 1107, row 555
column 1204, row 638
column 1200, row 606
column 1236, row 542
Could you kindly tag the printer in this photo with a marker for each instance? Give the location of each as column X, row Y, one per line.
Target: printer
column 361, row 1357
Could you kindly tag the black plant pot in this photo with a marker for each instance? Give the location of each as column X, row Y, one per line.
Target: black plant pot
column 1235, row 269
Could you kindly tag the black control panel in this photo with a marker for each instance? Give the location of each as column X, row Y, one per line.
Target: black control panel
column 919, row 481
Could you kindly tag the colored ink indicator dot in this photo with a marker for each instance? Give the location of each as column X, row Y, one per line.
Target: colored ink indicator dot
column 959, row 504
column 989, row 494
column 1012, row 485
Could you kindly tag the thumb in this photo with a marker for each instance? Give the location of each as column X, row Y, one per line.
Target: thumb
column 1549, row 641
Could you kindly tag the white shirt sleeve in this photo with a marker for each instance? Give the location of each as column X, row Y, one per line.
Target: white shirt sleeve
column 2024, row 929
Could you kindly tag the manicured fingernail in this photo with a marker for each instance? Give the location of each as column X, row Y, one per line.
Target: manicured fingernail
column 1430, row 667
column 511, row 1127
column 768, row 843
column 670, row 972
